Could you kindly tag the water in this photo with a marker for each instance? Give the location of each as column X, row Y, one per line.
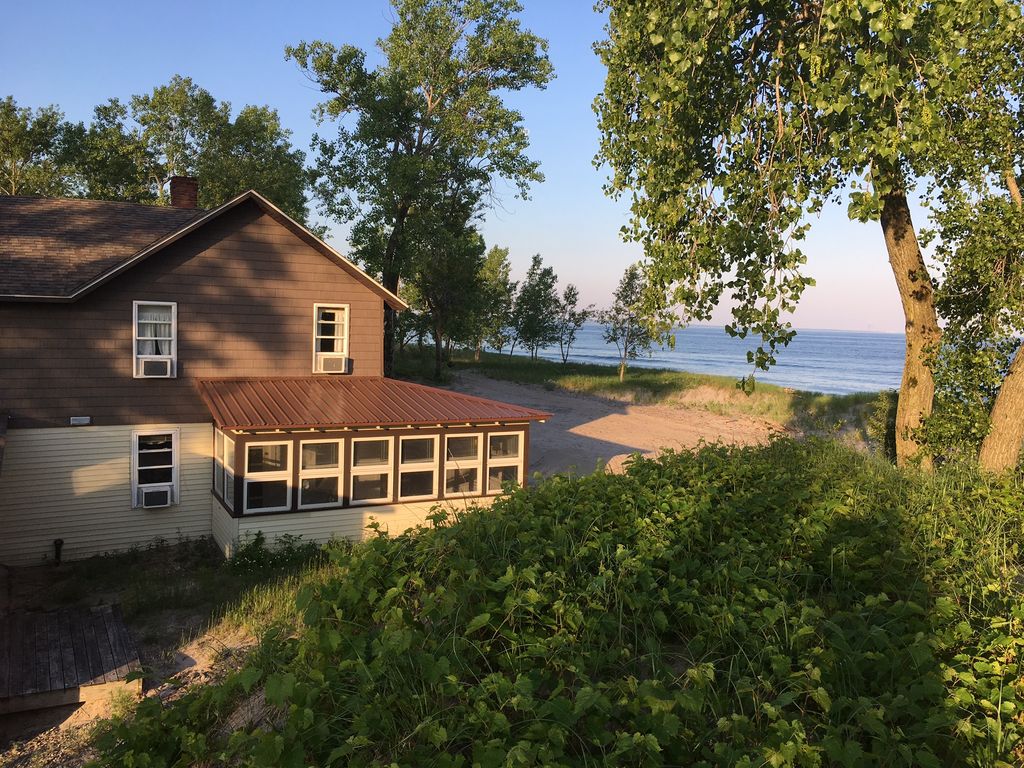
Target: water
column 837, row 362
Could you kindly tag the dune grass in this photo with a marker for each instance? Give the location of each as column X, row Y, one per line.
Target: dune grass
column 794, row 409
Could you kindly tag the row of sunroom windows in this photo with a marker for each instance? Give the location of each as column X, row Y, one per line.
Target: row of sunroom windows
column 268, row 472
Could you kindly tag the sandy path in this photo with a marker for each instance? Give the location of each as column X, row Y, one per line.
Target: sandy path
column 586, row 432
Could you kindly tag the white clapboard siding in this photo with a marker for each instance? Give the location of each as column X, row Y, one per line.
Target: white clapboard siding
column 225, row 529
column 74, row 483
column 321, row 525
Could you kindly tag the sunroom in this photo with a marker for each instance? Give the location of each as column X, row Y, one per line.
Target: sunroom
column 319, row 457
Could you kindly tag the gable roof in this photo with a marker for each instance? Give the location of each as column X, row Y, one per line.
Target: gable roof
column 57, row 249
column 333, row 402
column 51, row 246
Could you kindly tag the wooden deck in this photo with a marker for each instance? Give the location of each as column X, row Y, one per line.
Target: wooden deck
column 64, row 657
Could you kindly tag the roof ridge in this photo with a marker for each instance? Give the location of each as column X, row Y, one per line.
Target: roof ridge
column 149, row 206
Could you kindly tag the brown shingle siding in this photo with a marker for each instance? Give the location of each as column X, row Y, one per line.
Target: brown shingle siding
column 235, row 318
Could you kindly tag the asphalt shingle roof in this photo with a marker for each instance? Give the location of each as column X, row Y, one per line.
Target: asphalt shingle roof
column 52, row 246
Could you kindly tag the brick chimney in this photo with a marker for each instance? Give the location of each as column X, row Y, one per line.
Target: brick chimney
column 184, row 192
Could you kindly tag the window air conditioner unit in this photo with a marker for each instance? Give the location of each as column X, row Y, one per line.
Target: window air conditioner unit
column 155, row 497
column 331, row 363
column 155, row 368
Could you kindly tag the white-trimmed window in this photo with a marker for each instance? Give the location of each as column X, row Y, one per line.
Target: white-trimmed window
column 268, row 476
column 418, row 462
column 330, row 338
column 504, row 460
column 371, row 470
column 154, row 468
column 320, row 469
column 224, row 467
column 155, row 339
column 463, row 464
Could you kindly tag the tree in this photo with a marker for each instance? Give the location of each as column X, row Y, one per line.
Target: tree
column 32, row 150
column 570, row 319
column 729, row 128
column 253, row 152
column 190, row 133
column 497, row 294
column 131, row 152
column 535, row 312
column 447, row 264
column 627, row 324
column 433, row 108
column 111, row 160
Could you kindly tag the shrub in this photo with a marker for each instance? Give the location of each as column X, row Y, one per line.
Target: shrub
column 790, row 605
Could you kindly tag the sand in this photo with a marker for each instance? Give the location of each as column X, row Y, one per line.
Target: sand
column 586, row 432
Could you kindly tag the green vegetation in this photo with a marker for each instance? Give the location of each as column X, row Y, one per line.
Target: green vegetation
column 251, row 591
column 422, row 135
column 729, row 130
column 130, row 151
column 795, row 604
column 805, row 411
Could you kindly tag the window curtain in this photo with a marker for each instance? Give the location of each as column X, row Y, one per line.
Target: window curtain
column 154, row 330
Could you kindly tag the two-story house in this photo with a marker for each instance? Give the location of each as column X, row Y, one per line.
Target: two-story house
column 170, row 372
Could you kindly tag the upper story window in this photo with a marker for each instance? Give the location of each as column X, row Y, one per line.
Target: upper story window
column 330, row 338
column 155, row 339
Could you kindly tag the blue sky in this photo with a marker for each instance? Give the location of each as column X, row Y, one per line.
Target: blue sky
column 78, row 54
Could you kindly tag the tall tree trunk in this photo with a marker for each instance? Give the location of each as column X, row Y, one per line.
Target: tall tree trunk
column 1000, row 450
column 622, row 371
column 917, row 389
column 438, row 354
column 392, row 273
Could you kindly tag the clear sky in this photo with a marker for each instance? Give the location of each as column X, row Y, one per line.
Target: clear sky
column 78, row 54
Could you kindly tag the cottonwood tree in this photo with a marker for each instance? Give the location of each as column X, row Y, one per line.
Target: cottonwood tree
column 535, row 312
column 112, row 161
column 434, row 104
column 571, row 318
column 130, row 151
column 33, row 150
column 497, row 294
column 447, row 263
column 627, row 322
column 728, row 126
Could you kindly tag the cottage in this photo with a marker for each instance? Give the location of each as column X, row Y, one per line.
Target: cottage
column 170, row 372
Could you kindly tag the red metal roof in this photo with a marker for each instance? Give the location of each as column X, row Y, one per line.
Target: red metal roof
column 350, row 401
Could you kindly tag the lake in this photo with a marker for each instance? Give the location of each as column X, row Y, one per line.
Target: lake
column 838, row 362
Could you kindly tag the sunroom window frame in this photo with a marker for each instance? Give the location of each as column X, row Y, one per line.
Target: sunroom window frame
column 224, row 467
column 138, row 359
column 518, row 461
column 310, row 474
column 435, row 468
column 459, row 464
column 375, row 469
column 268, row 477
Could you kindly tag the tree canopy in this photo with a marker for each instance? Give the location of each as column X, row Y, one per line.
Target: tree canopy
column 729, row 125
column 129, row 151
column 627, row 323
column 433, row 109
column 535, row 310
column 32, row 150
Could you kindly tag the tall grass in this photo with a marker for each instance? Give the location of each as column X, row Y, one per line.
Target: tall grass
column 805, row 411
